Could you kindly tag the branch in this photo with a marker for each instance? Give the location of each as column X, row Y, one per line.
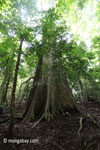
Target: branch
column 27, row 80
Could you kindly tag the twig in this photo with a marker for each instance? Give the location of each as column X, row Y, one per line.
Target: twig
column 3, row 121
column 27, row 80
column 5, row 115
column 88, row 147
column 61, row 148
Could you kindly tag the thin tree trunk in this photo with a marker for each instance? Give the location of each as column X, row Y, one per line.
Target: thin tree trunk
column 12, row 107
column 4, row 93
column 5, row 84
column 81, row 87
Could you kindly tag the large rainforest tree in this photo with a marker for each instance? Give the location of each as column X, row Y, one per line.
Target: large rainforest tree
column 51, row 39
column 50, row 94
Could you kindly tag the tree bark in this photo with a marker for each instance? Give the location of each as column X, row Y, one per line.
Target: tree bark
column 81, row 87
column 4, row 92
column 7, row 76
column 12, row 107
column 51, row 96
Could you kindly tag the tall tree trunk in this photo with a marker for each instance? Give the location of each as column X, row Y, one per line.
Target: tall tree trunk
column 81, row 87
column 7, row 76
column 4, row 85
column 12, row 107
column 35, row 82
column 50, row 96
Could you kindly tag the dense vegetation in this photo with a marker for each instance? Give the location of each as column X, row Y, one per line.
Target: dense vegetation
column 49, row 57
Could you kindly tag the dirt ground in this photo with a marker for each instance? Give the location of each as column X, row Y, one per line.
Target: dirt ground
column 63, row 133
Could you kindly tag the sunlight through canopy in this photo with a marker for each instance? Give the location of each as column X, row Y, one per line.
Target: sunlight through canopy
column 45, row 4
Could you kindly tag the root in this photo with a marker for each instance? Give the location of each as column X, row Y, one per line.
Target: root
column 38, row 121
column 81, row 126
column 93, row 120
column 88, row 116
column 80, row 135
column 43, row 116
column 83, row 142
column 47, row 116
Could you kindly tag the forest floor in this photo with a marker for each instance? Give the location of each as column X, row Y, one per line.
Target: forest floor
column 59, row 134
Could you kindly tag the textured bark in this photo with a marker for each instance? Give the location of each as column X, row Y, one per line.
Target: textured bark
column 81, row 88
column 36, row 79
column 50, row 96
column 12, row 107
column 5, row 90
column 7, row 76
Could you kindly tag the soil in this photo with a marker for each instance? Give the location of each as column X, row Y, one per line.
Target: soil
column 62, row 133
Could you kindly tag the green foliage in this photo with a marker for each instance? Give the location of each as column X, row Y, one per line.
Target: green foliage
column 21, row 20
